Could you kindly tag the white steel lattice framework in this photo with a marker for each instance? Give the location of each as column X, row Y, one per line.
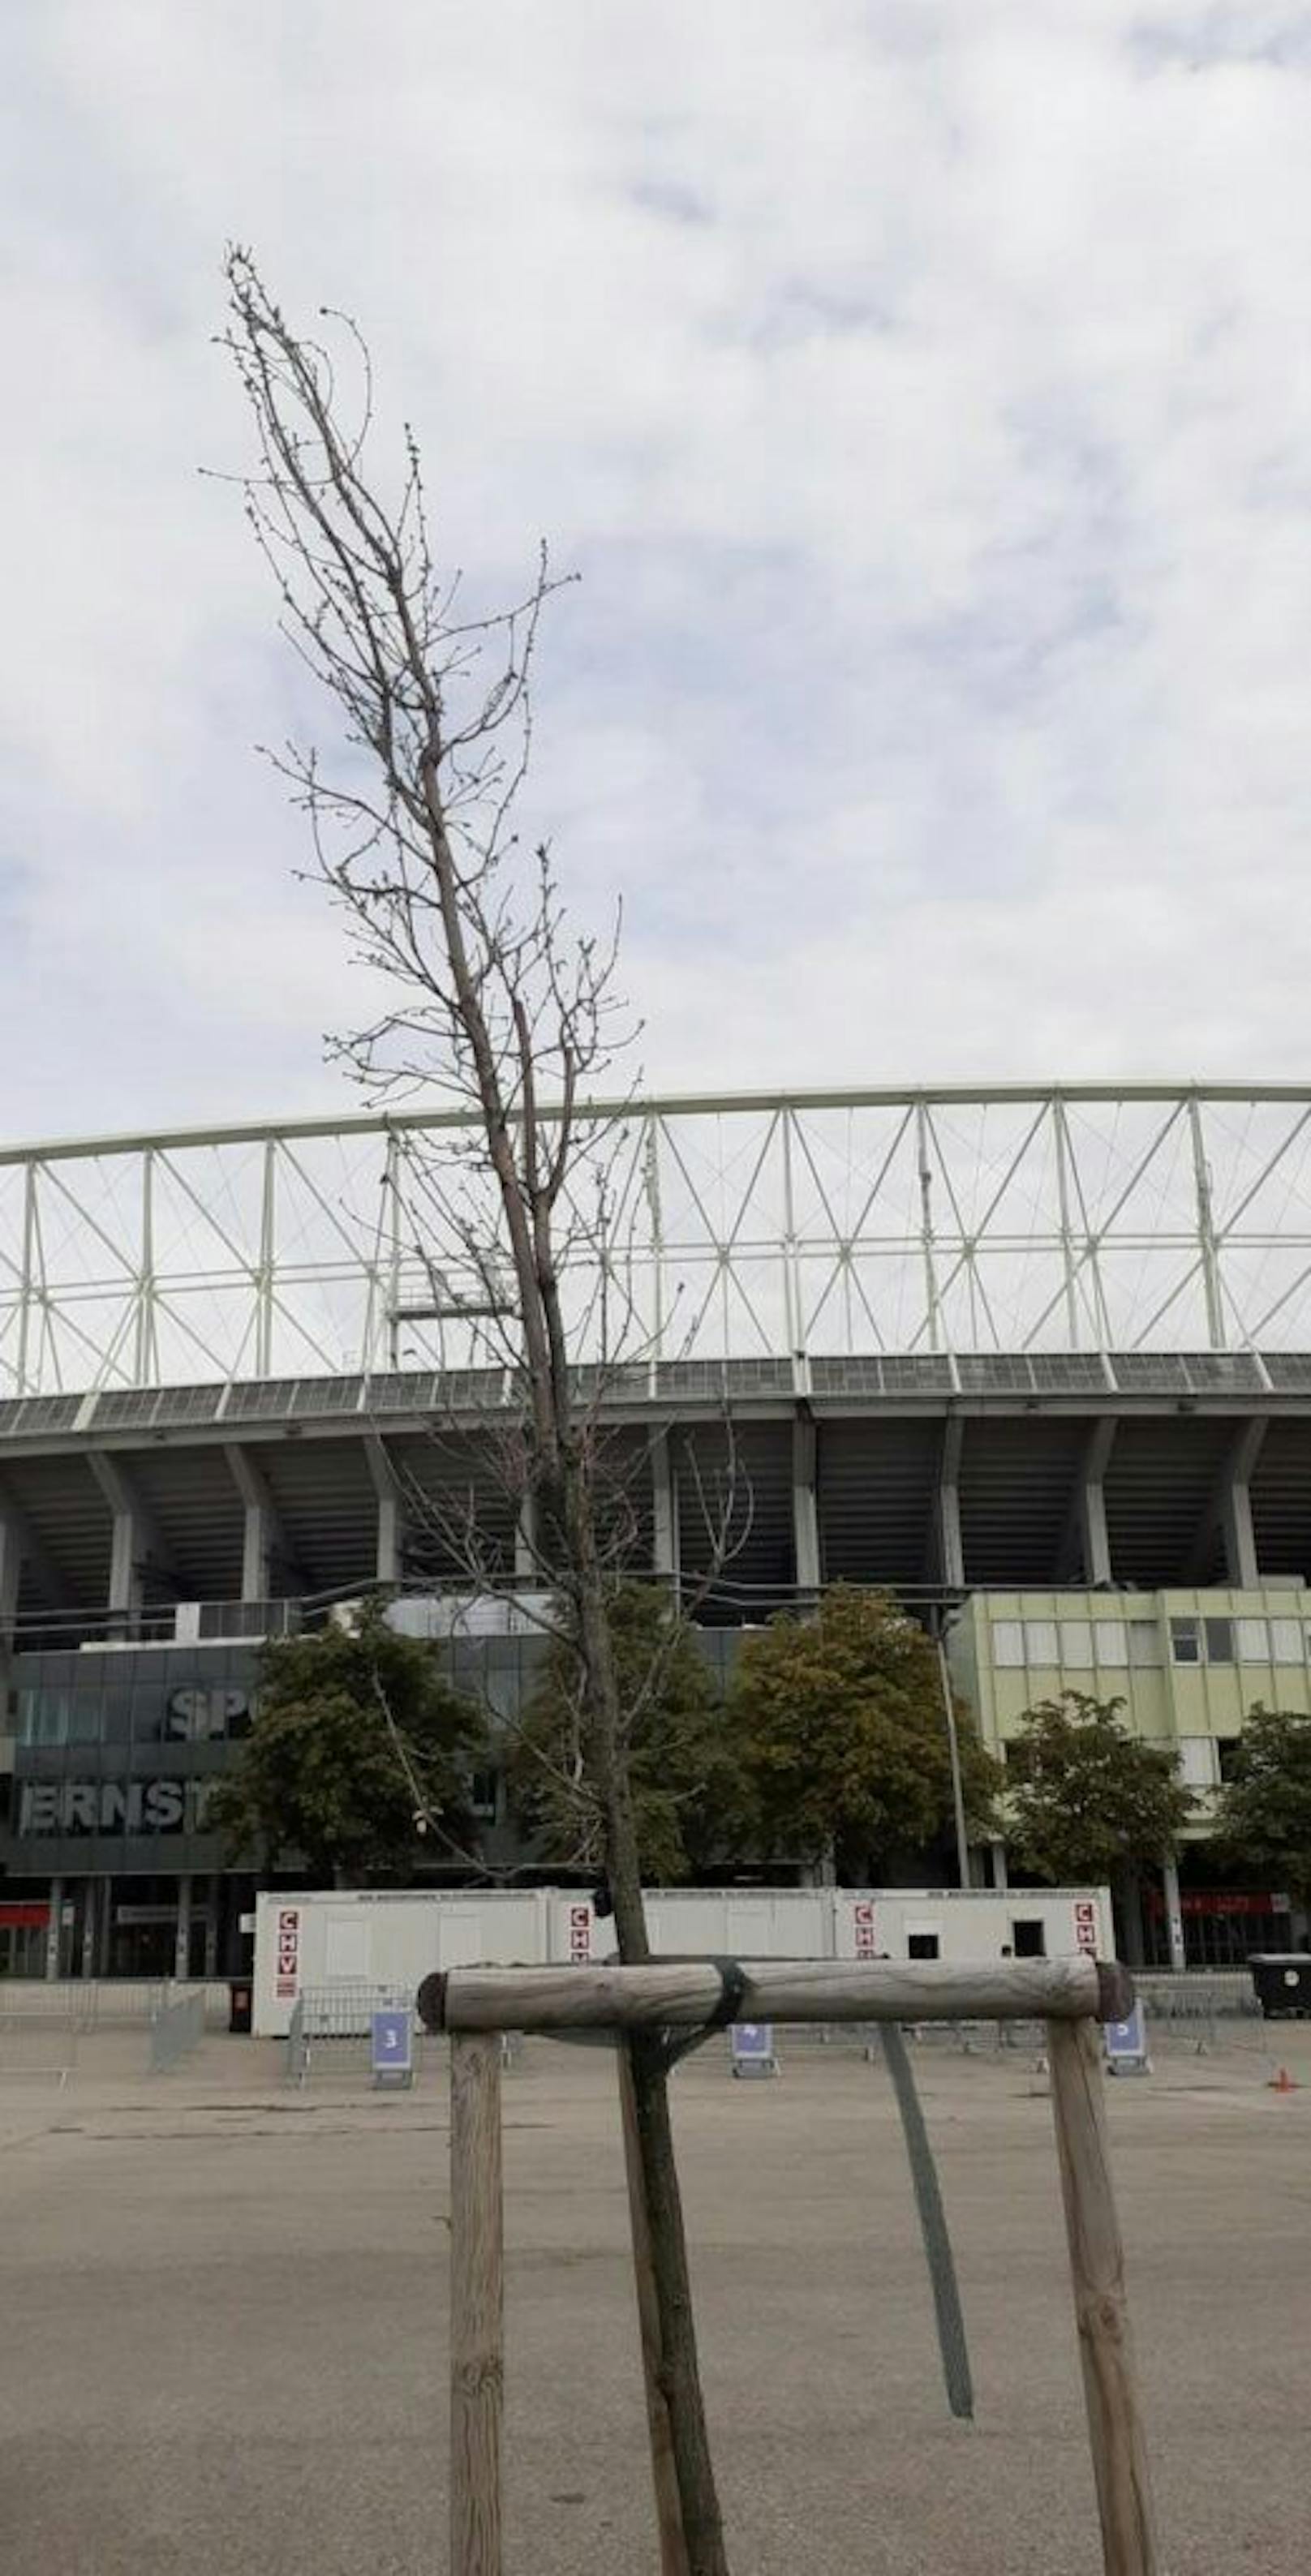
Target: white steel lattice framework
column 1080, row 1217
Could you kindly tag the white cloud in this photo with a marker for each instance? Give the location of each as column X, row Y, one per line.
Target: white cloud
column 923, row 393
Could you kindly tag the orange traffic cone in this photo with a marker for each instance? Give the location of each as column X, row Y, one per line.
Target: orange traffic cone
column 1283, row 2082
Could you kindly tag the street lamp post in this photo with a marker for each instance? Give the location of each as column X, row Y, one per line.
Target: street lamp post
column 942, row 1620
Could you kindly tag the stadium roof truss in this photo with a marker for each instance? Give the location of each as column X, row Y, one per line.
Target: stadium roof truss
column 1080, row 1218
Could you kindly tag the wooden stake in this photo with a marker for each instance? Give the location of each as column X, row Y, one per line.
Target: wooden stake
column 683, row 1993
column 477, row 2305
column 1115, row 2428
column 669, row 2511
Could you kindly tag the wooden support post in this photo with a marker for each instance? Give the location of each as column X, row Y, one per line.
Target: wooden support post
column 669, row 2511
column 477, row 2305
column 1115, row 2428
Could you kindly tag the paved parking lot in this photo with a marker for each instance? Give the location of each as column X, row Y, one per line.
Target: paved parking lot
column 224, row 2317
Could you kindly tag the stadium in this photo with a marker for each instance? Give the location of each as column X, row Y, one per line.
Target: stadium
column 1037, row 1358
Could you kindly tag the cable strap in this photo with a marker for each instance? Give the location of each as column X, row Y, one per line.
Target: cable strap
column 732, row 1987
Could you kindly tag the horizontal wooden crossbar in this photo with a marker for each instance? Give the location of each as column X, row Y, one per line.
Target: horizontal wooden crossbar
column 683, row 1994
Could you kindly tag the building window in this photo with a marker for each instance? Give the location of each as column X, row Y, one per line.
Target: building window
column 1040, row 1641
column 1197, row 1762
column 1007, row 1642
column 1111, row 1637
column 1253, row 1641
column 1219, row 1641
column 482, row 1793
column 922, row 1945
column 1076, row 1645
column 1185, row 1641
column 1286, row 1641
column 1144, row 1644
column 1226, row 1749
column 1029, row 1938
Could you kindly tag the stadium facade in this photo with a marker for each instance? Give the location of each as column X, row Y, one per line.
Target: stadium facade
column 1038, row 1357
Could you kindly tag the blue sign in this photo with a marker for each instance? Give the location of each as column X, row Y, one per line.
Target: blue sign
column 1126, row 2045
column 392, row 2047
column 752, row 2044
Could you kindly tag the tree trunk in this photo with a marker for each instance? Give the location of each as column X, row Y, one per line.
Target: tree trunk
column 680, row 2376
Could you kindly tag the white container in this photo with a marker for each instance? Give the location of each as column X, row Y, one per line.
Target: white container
column 390, row 1939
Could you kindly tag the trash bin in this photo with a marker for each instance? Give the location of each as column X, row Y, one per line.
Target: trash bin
column 1282, row 1979
column 241, row 2005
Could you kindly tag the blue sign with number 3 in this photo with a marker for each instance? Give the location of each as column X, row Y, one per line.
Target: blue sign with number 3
column 392, row 2035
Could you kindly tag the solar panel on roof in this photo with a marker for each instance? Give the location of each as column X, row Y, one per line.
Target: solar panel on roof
column 1076, row 1372
column 1160, row 1372
column 921, row 1372
column 1288, row 1370
column 863, row 1376
column 995, row 1373
column 1212, row 1369
column 326, row 1395
column 47, row 1412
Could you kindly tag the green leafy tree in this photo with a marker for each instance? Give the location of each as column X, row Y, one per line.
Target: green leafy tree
column 1086, row 1800
column 839, row 1725
column 686, row 1781
column 1264, row 1810
column 359, row 1752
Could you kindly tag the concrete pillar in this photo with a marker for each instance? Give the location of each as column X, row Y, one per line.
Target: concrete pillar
column 11, row 1568
column 950, row 1548
column 54, row 1928
column 90, row 1908
column 135, row 1538
column 1094, row 1544
column 1239, row 1538
column 805, row 1508
column 261, row 1538
column 391, row 1510
column 1174, row 1916
column 212, row 1929
column 388, row 1562
column 664, row 1506
column 124, row 1575
column 527, row 1566
column 182, row 1938
column 256, row 1554
column 1000, row 1879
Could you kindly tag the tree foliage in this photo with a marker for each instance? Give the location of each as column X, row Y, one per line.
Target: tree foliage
column 839, row 1724
column 684, row 1778
column 360, row 1755
column 1085, row 1798
column 1264, row 1813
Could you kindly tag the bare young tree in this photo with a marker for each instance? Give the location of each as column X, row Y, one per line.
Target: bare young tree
column 487, row 997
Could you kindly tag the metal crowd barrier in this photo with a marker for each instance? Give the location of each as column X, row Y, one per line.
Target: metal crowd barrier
column 331, row 2025
column 1197, row 1994
column 98, row 2003
column 175, row 2029
column 346, row 2010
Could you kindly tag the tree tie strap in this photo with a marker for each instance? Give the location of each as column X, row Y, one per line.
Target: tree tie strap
column 732, row 1987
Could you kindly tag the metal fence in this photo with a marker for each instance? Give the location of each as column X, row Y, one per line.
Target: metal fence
column 98, row 2003
column 1199, row 1994
column 331, row 2026
column 38, row 2051
column 345, row 2010
column 175, row 2029
column 296, row 2062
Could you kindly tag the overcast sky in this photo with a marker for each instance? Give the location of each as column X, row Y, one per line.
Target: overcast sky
column 922, row 393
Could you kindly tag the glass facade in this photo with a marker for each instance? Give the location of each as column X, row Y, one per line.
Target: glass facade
column 115, row 1749
column 114, row 1753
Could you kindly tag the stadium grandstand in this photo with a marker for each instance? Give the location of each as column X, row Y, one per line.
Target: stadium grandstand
column 1037, row 1358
